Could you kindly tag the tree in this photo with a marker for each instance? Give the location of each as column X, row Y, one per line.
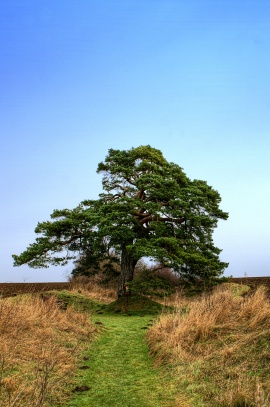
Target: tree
column 148, row 208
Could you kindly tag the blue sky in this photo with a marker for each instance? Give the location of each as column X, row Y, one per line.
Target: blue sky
column 190, row 78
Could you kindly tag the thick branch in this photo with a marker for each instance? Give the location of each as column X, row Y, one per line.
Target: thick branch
column 159, row 219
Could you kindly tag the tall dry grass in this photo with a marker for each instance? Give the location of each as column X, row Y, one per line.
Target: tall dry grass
column 220, row 344
column 93, row 288
column 39, row 349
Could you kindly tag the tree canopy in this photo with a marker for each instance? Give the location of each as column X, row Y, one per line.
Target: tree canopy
column 148, row 208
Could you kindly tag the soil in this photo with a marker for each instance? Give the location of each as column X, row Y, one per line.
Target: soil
column 12, row 289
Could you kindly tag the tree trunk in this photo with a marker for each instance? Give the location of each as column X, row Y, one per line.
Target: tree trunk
column 128, row 264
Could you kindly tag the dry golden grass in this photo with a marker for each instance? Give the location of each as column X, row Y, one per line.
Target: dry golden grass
column 93, row 289
column 39, row 347
column 177, row 299
column 220, row 346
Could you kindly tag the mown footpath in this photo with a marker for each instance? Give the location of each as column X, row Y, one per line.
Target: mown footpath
column 117, row 370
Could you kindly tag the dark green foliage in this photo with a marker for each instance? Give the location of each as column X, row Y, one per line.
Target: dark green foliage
column 195, row 286
column 150, row 283
column 149, row 208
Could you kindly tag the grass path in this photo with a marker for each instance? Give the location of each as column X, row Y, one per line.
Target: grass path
column 121, row 372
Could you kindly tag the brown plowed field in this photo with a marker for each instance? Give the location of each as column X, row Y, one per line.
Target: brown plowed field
column 10, row 289
column 253, row 282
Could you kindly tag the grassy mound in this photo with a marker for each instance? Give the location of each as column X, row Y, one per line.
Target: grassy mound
column 135, row 305
column 40, row 346
column 220, row 348
column 80, row 302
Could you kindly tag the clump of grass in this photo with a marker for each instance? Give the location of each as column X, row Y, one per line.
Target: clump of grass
column 220, row 347
column 39, row 346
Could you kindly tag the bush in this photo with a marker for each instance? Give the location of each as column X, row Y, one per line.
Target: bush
column 149, row 282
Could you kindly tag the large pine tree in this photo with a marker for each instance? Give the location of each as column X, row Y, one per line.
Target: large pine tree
column 149, row 208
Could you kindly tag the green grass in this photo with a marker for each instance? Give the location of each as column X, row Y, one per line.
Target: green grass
column 136, row 305
column 80, row 302
column 121, row 372
column 117, row 370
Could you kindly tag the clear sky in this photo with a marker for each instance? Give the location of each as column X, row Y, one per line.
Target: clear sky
column 188, row 77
